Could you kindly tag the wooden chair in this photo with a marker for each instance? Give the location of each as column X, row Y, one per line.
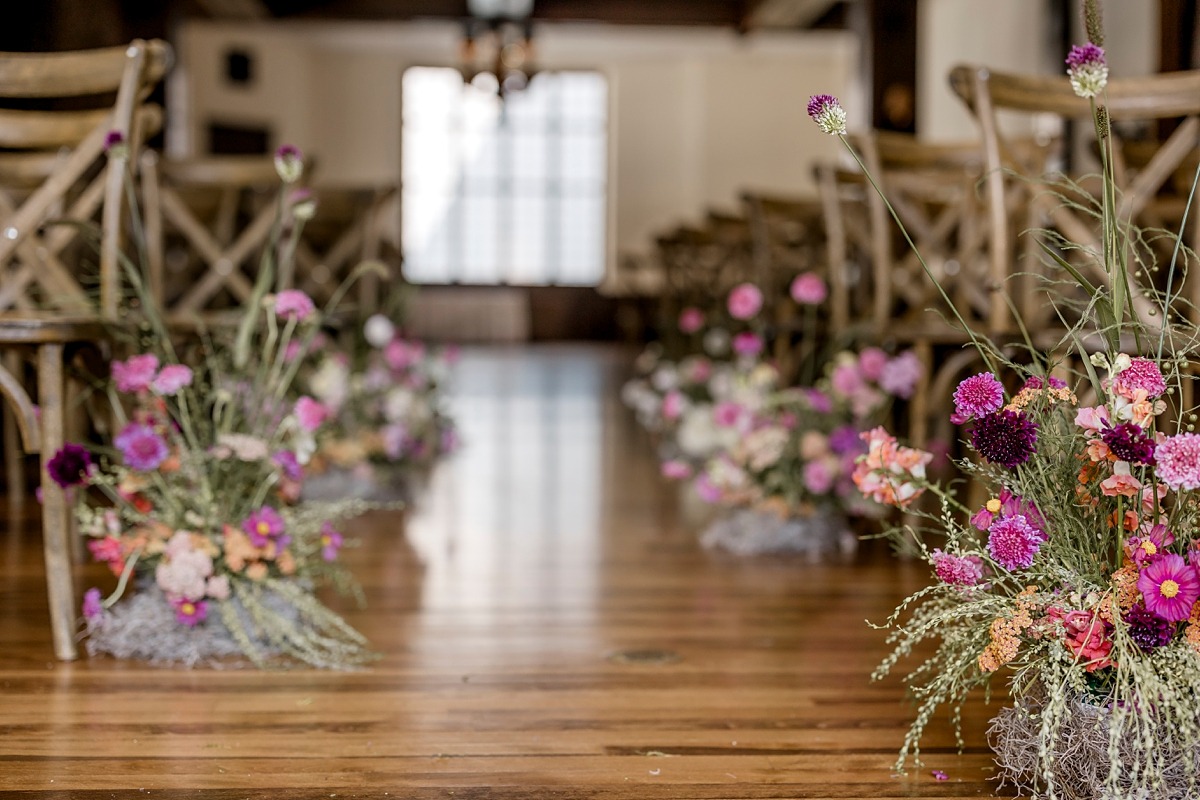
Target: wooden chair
column 1132, row 104
column 56, row 169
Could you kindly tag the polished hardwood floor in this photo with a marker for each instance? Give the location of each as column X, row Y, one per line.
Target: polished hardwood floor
column 548, row 626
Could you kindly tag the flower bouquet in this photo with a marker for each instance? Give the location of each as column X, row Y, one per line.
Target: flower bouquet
column 1079, row 577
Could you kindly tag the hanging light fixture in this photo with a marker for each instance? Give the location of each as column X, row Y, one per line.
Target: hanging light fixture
column 499, row 40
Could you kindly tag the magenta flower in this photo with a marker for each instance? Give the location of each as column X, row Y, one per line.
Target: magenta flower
column 691, row 319
column 172, row 378
column 93, row 606
column 141, row 447
column 263, row 526
column 1142, row 373
column 676, row 470
column 135, row 374
column 401, row 355
column 114, row 140
column 819, row 401
column 1130, row 442
column 901, row 374
column 1013, row 542
column 1169, row 587
column 294, row 304
column 190, row 612
column 976, row 396
column 1035, row 382
column 310, row 413
column 818, row 477
column 289, row 163
column 728, row 414
column 957, row 570
column 69, row 466
column 828, row 113
column 1008, row 504
column 747, row 343
column 808, row 289
column 745, row 300
column 288, row 465
column 871, row 362
column 1087, row 69
column 1005, row 437
column 331, row 542
column 846, row 440
column 706, row 490
column 1178, row 460
column 1146, row 630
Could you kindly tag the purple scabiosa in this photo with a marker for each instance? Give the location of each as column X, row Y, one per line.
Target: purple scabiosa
column 1007, row 438
column 957, row 570
column 289, row 163
column 288, row 465
column 171, row 379
column 1178, row 461
column 141, row 447
column 901, row 374
column 1087, row 69
column 845, row 440
column 1129, row 442
column 747, row 343
column 69, row 466
column 1034, row 382
column 828, row 113
column 976, row 396
column 1013, row 542
column 1141, row 374
column 1169, row 587
column 1147, row 630
column 263, row 526
column 135, row 374
column 331, row 542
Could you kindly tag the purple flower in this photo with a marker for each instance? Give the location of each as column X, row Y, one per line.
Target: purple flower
column 1169, row 587
column 1129, row 442
column 871, row 362
column 141, row 447
column 1147, row 630
column 1008, row 504
column 977, row 395
column 1142, row 373
column 901, row 374
column 190, row 612
column 289, row 163
column 708, row 491
column 1178, row 460
column 288, row 464
column 1013, row 542
column 745, row 300
column 136, row 373
column 1035, row 382
column 845, row 440
column 331, row 542
column 1005, row 437
column 294, row 304
column 114, row 140
column 265, row 525
column 808, row 289
column 828, row 113
column 93, row 606
column 69, row 466
column 957, row 570
column 747, row 343
column 172, row 378
column 820, row 402
column 1087, row 69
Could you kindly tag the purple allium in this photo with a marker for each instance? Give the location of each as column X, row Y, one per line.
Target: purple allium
column 190, row 612
column 1169, row 587
column 808, row 289
column 113, row 138
column 1007, row 438
column 1087, row 69
column 69, row 466
column 265, row 525
column 1142, row 373
column 745, row 300
column 1178, row 461
column 141, row 447
column 1147, row 630
column 957, row 570
column 1013, row 542
column 976, row 396
column 135, row 374
column 172, row 378
column 900, row 375
column 289, row 163
column 294, row 304
column 93, row 606
column 828, row 113
column 1129, row 442
column 845, row 440
column 331, row 542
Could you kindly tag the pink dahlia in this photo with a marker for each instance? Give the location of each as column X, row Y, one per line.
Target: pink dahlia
column 294, row 304
column 1178, row 459
column 135, row 374
column 141, row 447
column 172, row 378
column 957, row 570
column 1013, row 542
column 808, row 289
column 691, row 319
column 1169, row 586
column 977, row 395
column 745, row 301
column 1142, row 373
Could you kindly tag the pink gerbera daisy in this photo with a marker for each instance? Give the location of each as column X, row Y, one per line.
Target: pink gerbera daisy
column 1170, row 587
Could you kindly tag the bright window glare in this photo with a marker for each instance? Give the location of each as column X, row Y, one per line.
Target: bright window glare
column 508, row 192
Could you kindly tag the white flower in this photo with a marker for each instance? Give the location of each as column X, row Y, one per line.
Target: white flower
column 378, row 330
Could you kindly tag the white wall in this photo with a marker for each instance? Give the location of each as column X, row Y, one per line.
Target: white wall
column 696, row 114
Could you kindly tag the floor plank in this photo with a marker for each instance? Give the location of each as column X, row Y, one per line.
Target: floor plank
column 502, row 605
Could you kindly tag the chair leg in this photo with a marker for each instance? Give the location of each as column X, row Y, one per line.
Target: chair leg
column 14, row 453
column 60, row 581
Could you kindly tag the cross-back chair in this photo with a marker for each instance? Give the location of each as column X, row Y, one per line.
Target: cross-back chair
column 53, row 168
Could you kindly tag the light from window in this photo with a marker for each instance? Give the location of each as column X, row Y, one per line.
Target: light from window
column 508, row 192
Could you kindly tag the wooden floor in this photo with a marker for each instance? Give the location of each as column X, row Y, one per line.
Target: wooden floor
column 549, row 629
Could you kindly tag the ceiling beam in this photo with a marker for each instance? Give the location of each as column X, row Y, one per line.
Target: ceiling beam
column 628, row 12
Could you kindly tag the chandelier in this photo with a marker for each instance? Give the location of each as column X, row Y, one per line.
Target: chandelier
column 498, row 44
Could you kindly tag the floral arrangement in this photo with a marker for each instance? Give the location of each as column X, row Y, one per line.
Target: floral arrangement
column 1079, row 577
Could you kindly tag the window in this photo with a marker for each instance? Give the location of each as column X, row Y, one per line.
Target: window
column 508, row 192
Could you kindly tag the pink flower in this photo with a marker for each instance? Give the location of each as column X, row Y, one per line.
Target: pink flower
column 1169, row 586
column 93, row 606
column 400, row 355
column 957, row 570
column 141, row 447
column 136, row 373
column 1013, row 542
column 294, row 304
column 1086, row 636
column 820, row 402
column 172, row 378
column 691, row 319
column 827, row 112
column 190, row 612
column 901, row 374
column 1178, row 459
column 311, row 413
column 747, row 343
column 888, row 473
column 1093, row 418
column 1121, row 482
column 818, row 477
column 745, row 301
column 265, row 525
column 676, row 470
column 808, row 289
column 846, row 379
column 976, row 396
column 728, row 414
column 871, row 362
column 1142, row 373
column 672, row 405
column 707, row 491
column 331, row 542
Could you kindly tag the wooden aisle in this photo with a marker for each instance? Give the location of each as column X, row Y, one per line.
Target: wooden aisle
column 549, row 629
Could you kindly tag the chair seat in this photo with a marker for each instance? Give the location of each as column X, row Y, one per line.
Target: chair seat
column 35, row 328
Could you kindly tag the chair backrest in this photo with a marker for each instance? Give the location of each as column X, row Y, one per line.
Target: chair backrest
column 1170, row 96
column 53, row 166
column 787, row 236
